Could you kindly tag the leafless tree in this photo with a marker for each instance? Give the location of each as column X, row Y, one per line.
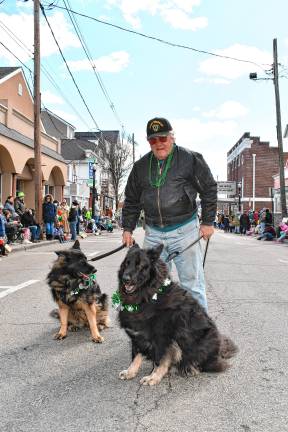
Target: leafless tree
column 115, row 159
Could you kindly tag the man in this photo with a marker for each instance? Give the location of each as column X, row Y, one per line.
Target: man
column 19, row 204
column 165, row 183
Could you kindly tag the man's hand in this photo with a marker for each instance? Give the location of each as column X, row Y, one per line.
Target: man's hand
column 207, row 231
column 127, row 238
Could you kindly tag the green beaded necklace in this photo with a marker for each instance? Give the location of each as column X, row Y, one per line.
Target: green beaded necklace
column 160, row 176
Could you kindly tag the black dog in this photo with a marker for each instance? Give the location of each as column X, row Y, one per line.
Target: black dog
column 78, row 295
column 164, row 322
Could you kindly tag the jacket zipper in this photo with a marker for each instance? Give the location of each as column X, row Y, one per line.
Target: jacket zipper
column 159, row 209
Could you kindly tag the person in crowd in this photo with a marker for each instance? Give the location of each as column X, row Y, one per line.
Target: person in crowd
column 244, row 223
column 58, row 232
column 283, row 230
column 226, row 223
column 268, row 216
column 28, row 221
column 79, row 219
column 64, row 209
column 97, row 212
column 49, row 216
column 256, row 217
column 237, row 223
column 9, row 205
column 231, row 223
column 269, row 233
column 165, row 183
column 11, row 226
column 19, row 204
column 73, row 219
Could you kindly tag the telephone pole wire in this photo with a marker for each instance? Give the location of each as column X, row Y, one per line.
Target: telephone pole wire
column 37, row 110
column 279, row 131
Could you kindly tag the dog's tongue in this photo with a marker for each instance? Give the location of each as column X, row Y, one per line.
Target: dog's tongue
column 129, row 288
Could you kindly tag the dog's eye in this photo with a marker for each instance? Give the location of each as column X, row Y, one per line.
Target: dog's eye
column 127, row 263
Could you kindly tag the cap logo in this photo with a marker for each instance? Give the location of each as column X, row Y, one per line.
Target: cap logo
column 156, row 125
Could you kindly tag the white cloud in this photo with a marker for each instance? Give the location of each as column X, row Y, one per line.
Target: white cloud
column 70, row 118
column 114, row 62
column 50, row 98
column 181, row 20
column 227, row 110
column 174, row 12
column 22, row 26
column 230, row 69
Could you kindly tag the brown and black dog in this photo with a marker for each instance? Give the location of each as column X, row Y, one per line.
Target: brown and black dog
column 78, row 295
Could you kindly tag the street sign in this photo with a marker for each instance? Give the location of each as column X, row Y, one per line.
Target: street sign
column 90, row 167
column 227, row 187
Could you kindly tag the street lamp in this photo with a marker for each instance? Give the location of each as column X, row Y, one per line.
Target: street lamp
column 94, row 191
column 239, row 196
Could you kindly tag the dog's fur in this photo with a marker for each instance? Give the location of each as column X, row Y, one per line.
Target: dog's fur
column 171, row 330
column 87, row 308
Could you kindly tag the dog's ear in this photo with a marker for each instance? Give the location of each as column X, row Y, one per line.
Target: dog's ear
column 135, row 246
column 155, row 253
column 76, row 245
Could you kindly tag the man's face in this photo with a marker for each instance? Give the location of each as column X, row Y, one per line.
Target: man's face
column 161, row 146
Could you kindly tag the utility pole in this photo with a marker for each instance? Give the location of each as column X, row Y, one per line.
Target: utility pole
column 279, row 131
column 133, row 148
column 37, row 108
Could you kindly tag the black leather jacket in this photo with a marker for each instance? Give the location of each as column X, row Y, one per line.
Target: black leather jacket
column 175, row 201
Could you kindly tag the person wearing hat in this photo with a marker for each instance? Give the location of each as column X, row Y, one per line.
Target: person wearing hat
column 165, row 183
column 72, row 219
column 49, row 216
column 19, row 204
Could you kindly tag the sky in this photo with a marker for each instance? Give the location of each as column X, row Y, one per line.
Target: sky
column 210, row 101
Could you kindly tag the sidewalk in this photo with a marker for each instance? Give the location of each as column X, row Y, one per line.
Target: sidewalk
column 23, row 247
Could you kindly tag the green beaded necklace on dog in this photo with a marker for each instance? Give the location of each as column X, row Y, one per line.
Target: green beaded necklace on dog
column 161, row 174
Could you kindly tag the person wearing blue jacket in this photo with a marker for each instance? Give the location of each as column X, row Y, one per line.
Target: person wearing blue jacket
column 49, row 215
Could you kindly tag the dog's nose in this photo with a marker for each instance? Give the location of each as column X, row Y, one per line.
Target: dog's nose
column 126, row 278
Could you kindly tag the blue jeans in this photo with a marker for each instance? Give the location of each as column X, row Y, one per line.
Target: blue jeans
column 189, row 264
column 35, row 232
column 73, row 230
column 49, row 227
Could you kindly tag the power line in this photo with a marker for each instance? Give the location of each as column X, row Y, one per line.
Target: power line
column 91, row 61
column 44, row 68
column 160, row 40
column 68, row 68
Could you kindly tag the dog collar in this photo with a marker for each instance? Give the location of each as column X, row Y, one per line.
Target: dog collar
column 134, row 307
column 87, row 282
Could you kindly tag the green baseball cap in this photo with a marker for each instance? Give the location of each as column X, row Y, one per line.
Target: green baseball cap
column 21, row 194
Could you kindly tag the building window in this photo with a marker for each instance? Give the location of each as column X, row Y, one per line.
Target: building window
column 242, row 159
column 20, row 89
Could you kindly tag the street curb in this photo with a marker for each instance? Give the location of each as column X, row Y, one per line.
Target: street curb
column 25, row 247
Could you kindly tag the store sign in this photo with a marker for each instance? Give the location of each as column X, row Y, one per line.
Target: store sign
column 226, row 187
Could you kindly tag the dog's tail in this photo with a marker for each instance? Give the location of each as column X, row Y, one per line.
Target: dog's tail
column 227, row 348
column 55, row 314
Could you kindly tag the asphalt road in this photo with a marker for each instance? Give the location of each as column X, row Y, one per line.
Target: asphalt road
column 73, row 385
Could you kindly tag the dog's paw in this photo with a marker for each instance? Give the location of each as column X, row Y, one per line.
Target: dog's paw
column 97, row 339
column 59, row 336
column 150, row 380
column 126, row 375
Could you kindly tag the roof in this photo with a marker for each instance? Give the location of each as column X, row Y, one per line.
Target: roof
column 4, row 71
column 111, row 136
column 17, row 136
column 52, row 114
column 74, row 149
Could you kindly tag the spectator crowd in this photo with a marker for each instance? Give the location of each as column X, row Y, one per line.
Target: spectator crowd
column 256, row 223
column 60, row 221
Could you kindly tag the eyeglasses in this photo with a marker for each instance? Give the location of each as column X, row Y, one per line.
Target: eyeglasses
column 161, row 139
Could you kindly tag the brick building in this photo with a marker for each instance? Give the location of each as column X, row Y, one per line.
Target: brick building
column 252, row 163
